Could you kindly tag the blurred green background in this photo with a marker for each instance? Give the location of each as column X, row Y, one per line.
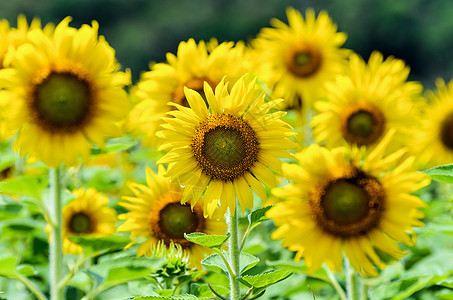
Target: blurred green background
column 417, row 31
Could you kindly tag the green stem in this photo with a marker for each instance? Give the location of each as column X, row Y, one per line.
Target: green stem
column 246, row 235
column 56, row 240
column 235, row 288
column 335, row 284
column 363, row 290
column 351, row 281
column 225, row 261
column 72, row 271
column 30, row 285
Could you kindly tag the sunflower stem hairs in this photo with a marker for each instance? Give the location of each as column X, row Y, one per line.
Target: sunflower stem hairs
column 347, row 199
column 227, row 149
column 64, row 92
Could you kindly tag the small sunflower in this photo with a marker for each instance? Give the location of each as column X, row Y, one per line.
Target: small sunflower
column 344, row 200
column 365, row 104
column 434, row 142
column 297, row 59
column 193, row 65
column 65, row 92
column 157, row 215
column 228, row 149
column 87, row 214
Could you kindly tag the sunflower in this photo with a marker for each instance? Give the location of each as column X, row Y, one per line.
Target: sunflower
column 345, row 200
column 87, row 214
column 10, row 40
column 193, row 65
column 227, row 149
column 365, row 104
column 157, row 216
column 297, row 59
column 65, row 92
column 433, row 143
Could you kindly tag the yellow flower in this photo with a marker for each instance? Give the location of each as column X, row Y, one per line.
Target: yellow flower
column 10, row 40
column 344, row 200
column 64, row 92
column 365, row 104
column 157, row 216
column 297, row 59
column 433, row 143
column 226, row 150
column 193, row 65
column 87, row 214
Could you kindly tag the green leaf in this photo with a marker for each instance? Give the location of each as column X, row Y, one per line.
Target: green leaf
column 211, row 241
column 105, row 265
column 263, row 280
column 95, row 244
column 442, row 173
column 177, row 297
column 258, row 216
column 166, row 293
column 299, row 267
column 31, row 186
column 402, row 289
column 215, row 263
column 203, row 290
column 436, row 264
column 194, row 276
column 22, row 226
column 7, row 160
column 8, row 265
column 247, row 261
column 120, row 144
column 119, row 275
column 26, row 270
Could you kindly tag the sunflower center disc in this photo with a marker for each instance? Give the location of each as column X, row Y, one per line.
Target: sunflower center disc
column 62, row 101
column 305, row 62
column 345, row 203
column 446, row 132
column 177, row 219
column 80, row 223
column 225, row 147
column 363, row 126
column 349, row 206
column 361, row 123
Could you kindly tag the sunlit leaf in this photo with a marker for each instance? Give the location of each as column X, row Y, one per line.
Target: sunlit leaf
column 31, row 186
column 177, row 297
column 215, row 263
column 298, row 267
column 442, row 173
column 265, row 279
column 95, row 244
column 8, row 265
column 210, row 241
column 403, row 289
column 119, row 275
column 258, row 216
column 203, row 290
column 26, row 270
